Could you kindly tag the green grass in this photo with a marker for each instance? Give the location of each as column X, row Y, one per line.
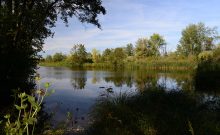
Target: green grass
column 156, row 112
column 55, row 64
column 160, row 63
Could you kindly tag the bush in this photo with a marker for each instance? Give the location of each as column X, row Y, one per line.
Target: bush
column 205, row 56
column 58, row 57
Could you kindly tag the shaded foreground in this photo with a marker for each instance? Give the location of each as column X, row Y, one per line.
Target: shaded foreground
column 157, row 112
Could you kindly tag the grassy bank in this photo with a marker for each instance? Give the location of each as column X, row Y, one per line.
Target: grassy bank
column 156, row 112
column 55, row 64
column 150, row 63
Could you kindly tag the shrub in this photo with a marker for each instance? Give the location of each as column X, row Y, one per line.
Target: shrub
column 205, row 56
column 59, row 57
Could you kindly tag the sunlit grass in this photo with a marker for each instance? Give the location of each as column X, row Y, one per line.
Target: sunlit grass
column 154, row 63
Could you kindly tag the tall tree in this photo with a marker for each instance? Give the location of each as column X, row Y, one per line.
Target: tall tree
column 49, row 58
column 156, row 42
column 96, row 56
column 197, row 38
column 59, row 57
column 117, row 57
column 142, row 48
column 106, row 55
column 129, row 49
column 78, row 55
column 25, row 24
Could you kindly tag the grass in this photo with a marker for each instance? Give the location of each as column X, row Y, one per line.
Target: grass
column 156, row 112
column 55, row 64
column 151, row 63
column 165, row 63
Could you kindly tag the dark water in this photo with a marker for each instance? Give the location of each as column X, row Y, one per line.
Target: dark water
column 76, row 91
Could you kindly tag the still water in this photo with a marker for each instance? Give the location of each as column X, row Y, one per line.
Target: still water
column 76, row 91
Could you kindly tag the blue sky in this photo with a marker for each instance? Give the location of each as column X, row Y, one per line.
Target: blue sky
column 128, row 20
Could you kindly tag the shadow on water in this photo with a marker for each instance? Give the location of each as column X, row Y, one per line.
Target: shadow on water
column 156, row 111
column 207, row 78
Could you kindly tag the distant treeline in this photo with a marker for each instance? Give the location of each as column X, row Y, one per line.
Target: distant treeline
column 198, row 43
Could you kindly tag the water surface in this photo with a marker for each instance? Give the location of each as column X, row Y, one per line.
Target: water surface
column 76, row 91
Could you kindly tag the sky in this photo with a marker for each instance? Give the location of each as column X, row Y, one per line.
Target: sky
column 128, row 20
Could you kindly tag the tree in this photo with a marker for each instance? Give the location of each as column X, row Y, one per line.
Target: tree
column 89, row 57
column 48, row 58
column 142, row 48
column 78, row 80
column 58, row 57
column 24, row 25
column 96, row 55
column 129, row 49
column 117, row 57
column 196, row 38
column 156, row 41
column 78, row 55
column 106, row 55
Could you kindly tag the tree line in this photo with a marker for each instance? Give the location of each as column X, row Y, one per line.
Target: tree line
column 144, row 47
column 197, row 40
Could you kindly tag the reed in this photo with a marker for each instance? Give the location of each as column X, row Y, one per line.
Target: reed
column 155, row 63
column 155, row 111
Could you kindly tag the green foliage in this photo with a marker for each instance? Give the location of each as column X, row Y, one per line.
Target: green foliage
column 106, row 55
column 89, row 58
column 78, row 55
column 56, row 64
column 216, row 54
column 49, row 58
column 129, row 49
column 156, row 41
column 191, row 128
column 117, row 57
column 142, row 48
column 28, row 110
column 156, row 112
column 96, row 56
column 205, row 56
column 168, row 63
column 149, row 47
column 58, row 57
column 197, row 38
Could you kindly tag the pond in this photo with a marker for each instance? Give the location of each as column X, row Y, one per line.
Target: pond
column 76, row 91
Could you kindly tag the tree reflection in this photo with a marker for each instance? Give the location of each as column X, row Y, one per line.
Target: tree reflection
column 95, row 77
column 118, row 78
column 78, row 79
column 144, row 80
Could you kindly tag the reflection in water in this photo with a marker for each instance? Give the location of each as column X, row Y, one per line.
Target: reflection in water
column 90, row 83
column 96, row 78
column 78, row 80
